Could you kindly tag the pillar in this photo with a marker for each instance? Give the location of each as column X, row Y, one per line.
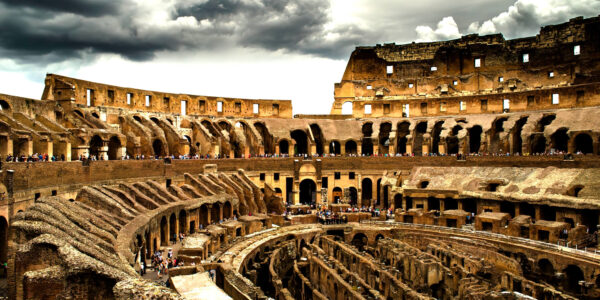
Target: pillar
column 358, row 148
column 313, row 149
column 209, row 214
column 103, row 152
column 296, row 192
column 277, row 149
column 425, row 149
column 343, row 149
column 326, row 148
column 408, row 148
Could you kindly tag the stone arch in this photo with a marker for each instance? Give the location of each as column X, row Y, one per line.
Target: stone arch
column 114, row 148
column 403, row 130
column 384, row 137
column 158, row 148
column 366, row 191
column 378, row 191
column 284, row 147
column 560, row 140
column 452, row 142
column 475, row 139
column 308, row 191
column 397, row 201
column 360, row 240
column 517, row 145
column 164, row 234
column 350, row 147
column 203, row 215
column 267, row 138
column 183, row 221
column 367, row 143
column 337, row 194
column 385, row 196
column 546, row 269
column 347, row 108
column 4, row 106
column 215, row 212
column 318, row 136
column 172, row 226
column 418, row 138
column 301, row 139
column 227, row 209
column 353, row 196
column 96, row 144
column 496, row 145
column 583, row 143
column 537, row 143
column 335, row 148
column 573, row 275
column 435, row 137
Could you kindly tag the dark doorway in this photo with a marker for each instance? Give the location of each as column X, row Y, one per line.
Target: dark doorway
column 308, row 191
column 584, row 144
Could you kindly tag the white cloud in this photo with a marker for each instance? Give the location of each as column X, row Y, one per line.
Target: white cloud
column 447, row 29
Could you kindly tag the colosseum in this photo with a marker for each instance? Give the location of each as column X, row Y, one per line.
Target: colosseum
column 461, row 169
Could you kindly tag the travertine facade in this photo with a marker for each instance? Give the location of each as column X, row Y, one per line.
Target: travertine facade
column 486, row 198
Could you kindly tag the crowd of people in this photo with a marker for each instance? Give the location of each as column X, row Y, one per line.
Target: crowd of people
column 38, row 157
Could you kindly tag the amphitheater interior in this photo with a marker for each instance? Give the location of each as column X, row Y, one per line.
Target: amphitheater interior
column 462, row 169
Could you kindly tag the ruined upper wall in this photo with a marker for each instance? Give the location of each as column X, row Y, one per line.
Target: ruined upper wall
column 559, row 56
column 72, row 89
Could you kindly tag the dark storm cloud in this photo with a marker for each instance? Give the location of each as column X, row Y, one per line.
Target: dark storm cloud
column 82, row 7
column 52, row 33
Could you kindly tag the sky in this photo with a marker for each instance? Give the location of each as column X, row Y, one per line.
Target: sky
column 261, row 49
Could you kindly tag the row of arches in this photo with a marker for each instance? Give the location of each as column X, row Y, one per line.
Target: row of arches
column 308, row 193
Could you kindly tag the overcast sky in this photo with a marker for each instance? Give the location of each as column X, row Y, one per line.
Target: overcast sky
column 266, row 49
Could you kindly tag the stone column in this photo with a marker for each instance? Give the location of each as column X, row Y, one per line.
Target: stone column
column 103, row 152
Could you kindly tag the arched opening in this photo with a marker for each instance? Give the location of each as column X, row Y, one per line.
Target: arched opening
column 350, row 147
column 452, row 140
column 114, row 148
column 386, row 191
column 353, row 196
column 517, row 146
column 164, row 235
column 284, row 147
column 378, row 237
column 573, row 275
column 227, row 209
column 420, row 130
column 347, row 108
column 173, row 228
column 378, row 192
column 267, row 138
column 301, row 139
column 318, row 136
column 95, row 115
column 215, row 213
column 96, row 144
column 183, row 221
column 3, row 239
column 435, row 137
column 397, row 201
column 537, row 143
column 308, row 191
column 584, row 143
column 193, row 149
column 278, row 192
column 384, row 137
column 475, row 139
column 546, row 270
column 158, row 148
column 334, row 148
column 560, row 140
column 367, row 147
column 367, row 143
column 496, row 145
column 79, row 113
column 359, row 241
column 403, row 130
column 203, row 215
column 4, row 106
column 337, row 194
column 367, row 191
